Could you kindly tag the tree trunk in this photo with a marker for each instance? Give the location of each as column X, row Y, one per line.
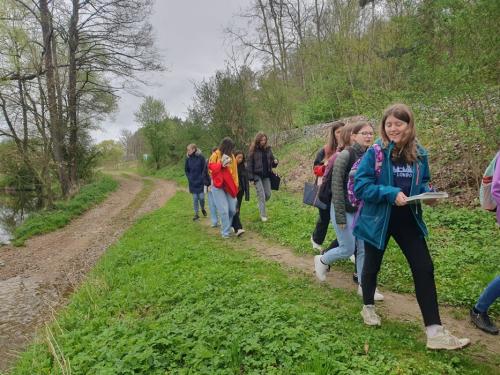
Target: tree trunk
column 54, row 115
column 72, row 94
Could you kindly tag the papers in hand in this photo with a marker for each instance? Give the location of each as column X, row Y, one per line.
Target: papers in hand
column 429, row 195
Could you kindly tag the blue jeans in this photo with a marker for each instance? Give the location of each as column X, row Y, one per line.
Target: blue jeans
column 198, row 197
column 347, row 244
column 214, row 218
column 489, row 295
column 226, row 208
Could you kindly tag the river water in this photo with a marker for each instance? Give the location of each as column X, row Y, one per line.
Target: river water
column 14, row 208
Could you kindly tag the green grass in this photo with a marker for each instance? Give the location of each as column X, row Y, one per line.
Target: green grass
column 64, row 211
column 169, row 298
column 464, row 244
column 173, row 172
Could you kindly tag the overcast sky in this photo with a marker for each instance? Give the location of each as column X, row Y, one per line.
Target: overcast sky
column 190, row 35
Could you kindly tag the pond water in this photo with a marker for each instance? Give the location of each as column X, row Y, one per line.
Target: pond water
column 14, row 209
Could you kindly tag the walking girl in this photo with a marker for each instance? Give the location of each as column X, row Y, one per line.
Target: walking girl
column 224, row 173
column 243, row 191
column 320, row 163
column 342, row 211
column 193, row 168
column 260, row 163
column 386, row 213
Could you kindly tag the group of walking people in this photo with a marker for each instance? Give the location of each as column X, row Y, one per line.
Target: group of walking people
column 368, row 185
column 225, row 178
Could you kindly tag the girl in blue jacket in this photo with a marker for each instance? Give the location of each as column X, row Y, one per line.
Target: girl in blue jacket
column 404, row 172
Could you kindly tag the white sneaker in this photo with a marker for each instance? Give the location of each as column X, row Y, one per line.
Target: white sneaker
column 240, row 232
column 377, row 296
column 316, row 246
column 352, row 258
column 369, row 315
column 319, row 268
column 263, row 218
column 445, row 340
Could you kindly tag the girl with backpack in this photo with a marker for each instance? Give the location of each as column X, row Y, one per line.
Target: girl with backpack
column 319, row 165
column 404, row 171
column 342, row 212
column 243, row 191
column 261, row 161
column 223, row 170
column 193, row 168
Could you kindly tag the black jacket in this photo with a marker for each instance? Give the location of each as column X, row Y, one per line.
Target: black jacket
column 254, row 163
column 244, row 185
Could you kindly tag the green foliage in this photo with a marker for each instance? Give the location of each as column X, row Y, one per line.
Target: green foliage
column 464, row 245
column 110, row 153
column 171, row 298
column 64, row 211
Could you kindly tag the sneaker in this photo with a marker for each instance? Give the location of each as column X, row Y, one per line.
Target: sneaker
column 319, row 268
column 377, row 296
column 204, row 212
column 225, row 236
column 355, row 278
column 445, row 340
column 369, row 315
column 239, row 232
column 316, row 246
column 196, row 217
column 352, row 258
column 214, row 225
column 263, row 218
column 483, row 322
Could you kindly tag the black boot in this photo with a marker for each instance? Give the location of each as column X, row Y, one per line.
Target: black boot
column 483, row 322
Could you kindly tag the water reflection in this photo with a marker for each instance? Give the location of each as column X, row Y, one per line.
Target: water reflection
column 14, row 208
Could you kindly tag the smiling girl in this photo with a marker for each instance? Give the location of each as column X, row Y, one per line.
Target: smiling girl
column 386, row 213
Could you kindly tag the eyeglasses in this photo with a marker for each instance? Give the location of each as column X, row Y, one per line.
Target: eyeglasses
column 366, row 134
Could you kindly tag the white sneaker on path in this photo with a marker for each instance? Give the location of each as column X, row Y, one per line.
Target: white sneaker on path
column 445, row 340
column 320, row 268
column 369, row 315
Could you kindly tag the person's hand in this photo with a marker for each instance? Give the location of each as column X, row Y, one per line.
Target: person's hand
column 341, row 226
column 401, row 199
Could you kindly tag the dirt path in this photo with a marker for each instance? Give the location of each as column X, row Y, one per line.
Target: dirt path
column 402, row 307
column 38, row 278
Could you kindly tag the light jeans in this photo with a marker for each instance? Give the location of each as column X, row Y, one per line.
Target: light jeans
column 489, row 295
column 226, row 208
column 214, row 218
column 198, row 197
column 347, row 244
column 263, row 188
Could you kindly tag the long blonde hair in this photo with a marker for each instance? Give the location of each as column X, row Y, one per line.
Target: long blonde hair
column 406, row 151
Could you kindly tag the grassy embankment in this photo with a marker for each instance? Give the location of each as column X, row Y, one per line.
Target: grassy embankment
column 64, row 211
column 170, row 298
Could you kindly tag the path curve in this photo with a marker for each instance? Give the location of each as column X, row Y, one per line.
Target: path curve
column 37, row 279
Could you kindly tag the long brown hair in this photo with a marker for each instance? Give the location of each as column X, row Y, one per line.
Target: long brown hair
column 332, row 144
column 256, row 143
column 345, row 137
column 406, row 151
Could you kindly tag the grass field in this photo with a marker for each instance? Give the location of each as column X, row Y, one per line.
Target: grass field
column 169, row 298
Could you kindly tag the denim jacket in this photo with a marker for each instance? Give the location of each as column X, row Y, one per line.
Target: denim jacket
column 378, row 194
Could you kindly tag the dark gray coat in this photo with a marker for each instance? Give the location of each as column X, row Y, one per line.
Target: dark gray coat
column 254, row 163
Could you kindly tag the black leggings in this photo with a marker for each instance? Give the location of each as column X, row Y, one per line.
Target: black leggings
column 322, row 224
column 404, row 229
column 236, row 218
